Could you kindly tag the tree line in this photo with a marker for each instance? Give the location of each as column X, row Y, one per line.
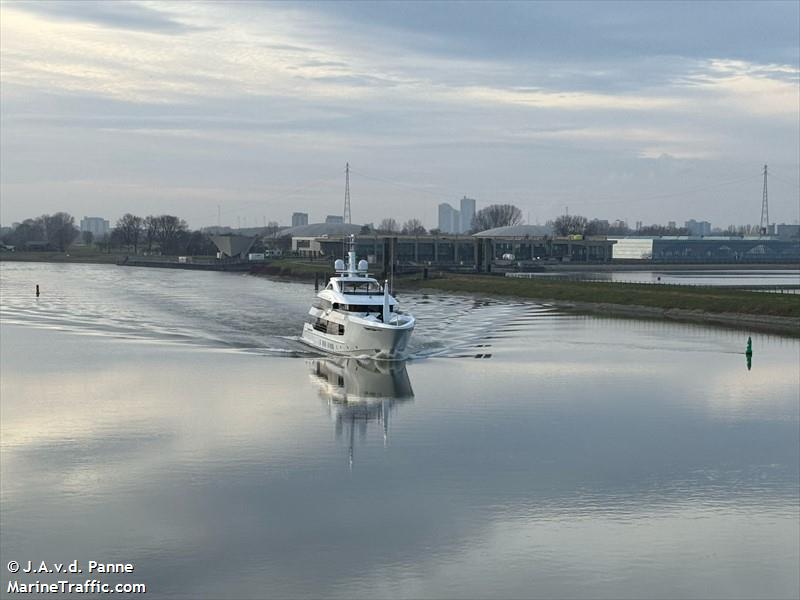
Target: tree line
column 495, row 215
column 165, row 234
column 57, row 231
column 580, row 225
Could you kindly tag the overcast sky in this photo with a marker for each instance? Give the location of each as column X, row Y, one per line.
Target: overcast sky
column 642, row 111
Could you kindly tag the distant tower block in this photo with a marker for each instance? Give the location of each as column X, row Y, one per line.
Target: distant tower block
column 764, row 207
column 347, row 216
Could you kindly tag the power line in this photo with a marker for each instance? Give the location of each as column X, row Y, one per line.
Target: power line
column 668, row 195
column 397, row 183
column 781, row 179
column 287, row 194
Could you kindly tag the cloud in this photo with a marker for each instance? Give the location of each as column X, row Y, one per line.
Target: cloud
column 426, row 91
column 119, row 14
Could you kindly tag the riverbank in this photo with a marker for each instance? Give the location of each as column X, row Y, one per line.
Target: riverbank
column 778, row 313
column 77, row 255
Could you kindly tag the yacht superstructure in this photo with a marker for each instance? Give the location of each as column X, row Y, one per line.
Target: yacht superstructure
column 354, row 315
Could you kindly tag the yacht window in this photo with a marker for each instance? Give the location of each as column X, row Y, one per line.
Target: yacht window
column 366, row 308
column 321, row 304
column 335, row 328
column 360, row 287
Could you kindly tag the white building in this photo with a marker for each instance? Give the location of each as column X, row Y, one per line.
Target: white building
column 98, row 226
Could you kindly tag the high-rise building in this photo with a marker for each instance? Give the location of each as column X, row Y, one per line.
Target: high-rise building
column 467, row 214
column 299, row 219
column 334, row 219
column 449, row 219
column 698, row 227
column 97, row 225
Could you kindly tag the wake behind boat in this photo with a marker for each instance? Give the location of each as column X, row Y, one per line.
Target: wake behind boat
column 354, row 315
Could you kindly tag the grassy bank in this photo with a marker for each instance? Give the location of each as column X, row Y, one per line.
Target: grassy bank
column 291, row 268
column 667, row 297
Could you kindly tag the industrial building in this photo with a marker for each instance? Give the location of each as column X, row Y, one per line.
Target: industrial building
column 707, row 249
column 527, row 244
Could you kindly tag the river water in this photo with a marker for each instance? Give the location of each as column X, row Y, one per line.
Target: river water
column 172, row 419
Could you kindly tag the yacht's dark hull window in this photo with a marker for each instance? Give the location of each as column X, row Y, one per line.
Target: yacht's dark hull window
column 329, row 327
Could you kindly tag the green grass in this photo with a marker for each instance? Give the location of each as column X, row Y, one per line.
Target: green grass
column 295, row 268
column 705, row 299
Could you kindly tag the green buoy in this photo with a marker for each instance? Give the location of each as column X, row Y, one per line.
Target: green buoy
column 749, row 353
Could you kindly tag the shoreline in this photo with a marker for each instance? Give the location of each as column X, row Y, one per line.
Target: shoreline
column 286, row 264
column 786, row 326
column 666, row 302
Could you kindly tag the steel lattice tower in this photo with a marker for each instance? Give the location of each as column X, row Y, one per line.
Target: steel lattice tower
column 348, row 217
column 764, row 207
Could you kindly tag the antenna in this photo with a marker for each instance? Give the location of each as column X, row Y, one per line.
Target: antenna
column 347, row 217
column 764, row 207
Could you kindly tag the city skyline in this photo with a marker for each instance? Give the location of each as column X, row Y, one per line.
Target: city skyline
column 643, row 112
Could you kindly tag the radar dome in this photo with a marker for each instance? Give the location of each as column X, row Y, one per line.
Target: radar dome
column 363, row 265
column 339, row 265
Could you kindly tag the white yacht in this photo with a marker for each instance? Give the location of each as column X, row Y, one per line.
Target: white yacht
column 355, row 316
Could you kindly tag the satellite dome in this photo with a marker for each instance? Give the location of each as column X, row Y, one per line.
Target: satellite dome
column 363, row 265
column 339, row 265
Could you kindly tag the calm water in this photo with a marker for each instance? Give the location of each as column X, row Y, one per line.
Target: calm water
column 171, row 419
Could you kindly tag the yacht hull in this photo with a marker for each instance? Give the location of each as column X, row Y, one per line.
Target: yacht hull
column 372, row 341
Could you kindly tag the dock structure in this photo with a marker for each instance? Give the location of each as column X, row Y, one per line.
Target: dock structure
column 465, row 251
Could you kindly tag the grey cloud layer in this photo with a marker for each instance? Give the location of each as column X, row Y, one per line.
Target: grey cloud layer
column 535, row 103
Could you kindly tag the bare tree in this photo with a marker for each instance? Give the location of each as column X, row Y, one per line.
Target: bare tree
column 388, row 225
column 413, row 227
column 60, row 229
column 496, row 215
column 170, row 232
column 87, row 237
column 570, row 225
column 150, row 224
column 130, row 230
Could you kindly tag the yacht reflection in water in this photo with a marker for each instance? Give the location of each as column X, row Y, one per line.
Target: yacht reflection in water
column 358, row 391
